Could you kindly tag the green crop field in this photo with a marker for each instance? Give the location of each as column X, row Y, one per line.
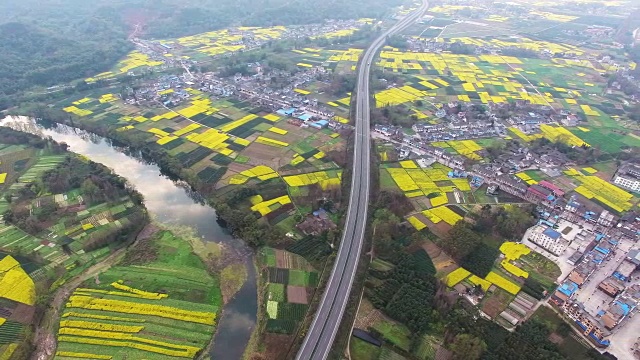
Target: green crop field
column 395, row 333
column 228, row 142
column 286, row 290
column 276, row 292
column 362, row 350
column 160, row 304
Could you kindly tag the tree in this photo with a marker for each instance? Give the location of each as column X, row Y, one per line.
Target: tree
column 397, row 41
column 385, row 227
column 462, row 240
column 495, row 150
column 467, row 347
column 514, row 221
column 90, row 190
column 480, row 260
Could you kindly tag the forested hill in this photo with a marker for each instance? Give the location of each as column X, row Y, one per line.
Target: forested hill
column 33, row 56
column 46, row 42
column 168, row 20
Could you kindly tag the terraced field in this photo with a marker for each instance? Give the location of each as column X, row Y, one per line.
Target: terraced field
column 162, row 307
column 47, row 236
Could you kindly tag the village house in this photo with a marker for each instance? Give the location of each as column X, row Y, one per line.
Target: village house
column 591, row 327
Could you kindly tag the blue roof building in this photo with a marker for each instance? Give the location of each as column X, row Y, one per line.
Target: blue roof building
column 548, row 238
column 552, row 233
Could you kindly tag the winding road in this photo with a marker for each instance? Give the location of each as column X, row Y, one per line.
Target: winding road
column 317, row 344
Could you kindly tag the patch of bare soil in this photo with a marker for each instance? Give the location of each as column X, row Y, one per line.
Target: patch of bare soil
column 297, row 295
column 23, row 313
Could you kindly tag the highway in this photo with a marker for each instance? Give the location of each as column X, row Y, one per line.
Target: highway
column 317, row 344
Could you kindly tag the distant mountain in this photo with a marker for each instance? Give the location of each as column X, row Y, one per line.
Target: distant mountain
column 33, row 56
column 47, row 42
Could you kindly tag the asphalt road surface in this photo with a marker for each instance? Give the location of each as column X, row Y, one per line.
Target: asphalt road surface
column 321, row 334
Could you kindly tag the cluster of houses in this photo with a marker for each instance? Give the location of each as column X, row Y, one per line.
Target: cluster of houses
column 592, row 250
column 173, row 90
column 599, row 326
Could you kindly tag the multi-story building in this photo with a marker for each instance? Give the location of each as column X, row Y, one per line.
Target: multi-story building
column 621, row 307
column 611, row 286
column 628, row 177
column 549, row 239
column 591, row 327
column 583, row 271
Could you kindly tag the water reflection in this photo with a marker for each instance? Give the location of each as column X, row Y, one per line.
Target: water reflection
column 171, row 202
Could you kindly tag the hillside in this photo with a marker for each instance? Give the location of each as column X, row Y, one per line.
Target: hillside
column 43, row 43
column 33, row 56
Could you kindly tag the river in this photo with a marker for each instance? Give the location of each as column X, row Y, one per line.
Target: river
column 173, row 203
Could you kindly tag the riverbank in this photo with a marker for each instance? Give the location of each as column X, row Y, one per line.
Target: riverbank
column 62, row 215
column 176, row 204
column 45, row 337
column 225, row 261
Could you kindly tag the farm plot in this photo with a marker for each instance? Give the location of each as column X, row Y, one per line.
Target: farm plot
column 434, row 182
column 18, row 280
column 456, row 276
column 310, row 248
column 526, row 178
column 606, row 139
column 512, row 252
column 15, row 239
column 297, row 294
column 287, row 260
column 14, row 159
column 17, row 297
column 497, row 79
column 467, row 148
column 287, row 290
column 496, row 302
column 443, row 263
column 442, row 213
column 79, row 222
column 11, row 332
column 15, row 283
column 43, row 164
column 326, row 179
column 603, row 192
column 159, row 308
column 223, row 142
column 220, row 42
column 493, row 278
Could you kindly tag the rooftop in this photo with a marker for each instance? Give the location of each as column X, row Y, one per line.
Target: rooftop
column 540, row 190
column 552, row 233
column 552, row 187
column 568, row 288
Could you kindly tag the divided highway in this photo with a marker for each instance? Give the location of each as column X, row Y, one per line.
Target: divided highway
column 321, row 334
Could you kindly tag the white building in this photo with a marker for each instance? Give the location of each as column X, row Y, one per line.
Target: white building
column 628, row 177
column 549, row 239
column 627, row 182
